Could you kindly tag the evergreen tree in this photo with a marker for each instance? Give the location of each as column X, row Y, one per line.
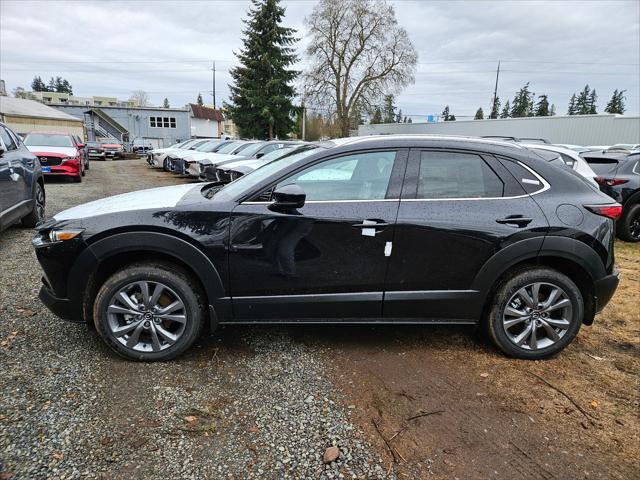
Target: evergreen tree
column 552, row 110
column 522, row 102
column 165, row 104
column 593, row 99
column 495, row 109
column 410, row 120
column 376, row 117
column 542, row 107
column 37, row 85
column 399, row 116
column 199, row 99
column 616, row 104
column 479, row 114
column 356, row 116
column 445, row 114
column 582, row 102
column 572, row 105
column 389, row 110
column 506, row 111
column 51, row 86
column 404, row 120
column 262, row 91
column 452, row 118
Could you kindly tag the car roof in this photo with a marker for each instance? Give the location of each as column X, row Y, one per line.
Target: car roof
column 411, row 138
column 41, row 132
column 552, row 148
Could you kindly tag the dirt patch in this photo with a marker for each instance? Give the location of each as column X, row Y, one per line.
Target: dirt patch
column 573, row 416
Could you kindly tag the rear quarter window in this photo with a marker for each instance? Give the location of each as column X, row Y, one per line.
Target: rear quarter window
column 526, row 178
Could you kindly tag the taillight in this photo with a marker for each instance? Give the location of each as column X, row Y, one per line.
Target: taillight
column 613, row 212
column 611, row 182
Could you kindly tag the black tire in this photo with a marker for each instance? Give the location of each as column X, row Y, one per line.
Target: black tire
column 172, row 277
column 37, row 213
column 508, row 288
column 629, row 225
column 78, row 178
column 87, row 165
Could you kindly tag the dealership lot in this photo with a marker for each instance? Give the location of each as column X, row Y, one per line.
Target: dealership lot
column 269, row 401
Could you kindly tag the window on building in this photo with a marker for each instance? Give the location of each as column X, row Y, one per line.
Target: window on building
column 162, row 122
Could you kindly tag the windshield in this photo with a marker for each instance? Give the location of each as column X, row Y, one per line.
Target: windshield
column 251, row 149
column 602, row 166
column 208, row 146
column 281, row 152
column 228, row 147
column 241, row 148
column 93, row 144
column 42, row 139
column 246, row 182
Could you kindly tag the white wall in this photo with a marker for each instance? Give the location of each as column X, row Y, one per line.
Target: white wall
column 575, row 129
column 202, row 127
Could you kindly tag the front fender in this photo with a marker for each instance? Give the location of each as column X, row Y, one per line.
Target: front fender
column 169, row 245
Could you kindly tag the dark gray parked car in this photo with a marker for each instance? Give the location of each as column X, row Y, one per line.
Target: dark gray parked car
column 22, row 195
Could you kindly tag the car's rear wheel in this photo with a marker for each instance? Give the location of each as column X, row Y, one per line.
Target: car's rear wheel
column 37, row 214
column 149, row 312
column 629, row 225
column 535, row 313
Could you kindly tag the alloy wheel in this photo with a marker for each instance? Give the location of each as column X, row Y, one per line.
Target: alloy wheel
column 147, row 316
column 40, row 202
column 537, row 316
column 634, row 227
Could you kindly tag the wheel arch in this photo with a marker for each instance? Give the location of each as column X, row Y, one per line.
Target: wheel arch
column 568, row 256
column 109, row 254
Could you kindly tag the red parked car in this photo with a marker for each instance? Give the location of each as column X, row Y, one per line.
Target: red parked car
column 59, row 153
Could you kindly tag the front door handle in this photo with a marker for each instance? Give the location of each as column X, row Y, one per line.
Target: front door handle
column 370, row 225
column 518, row 220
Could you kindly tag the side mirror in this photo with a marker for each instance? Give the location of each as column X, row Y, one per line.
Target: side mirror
column 289, row 196
column 81, row 145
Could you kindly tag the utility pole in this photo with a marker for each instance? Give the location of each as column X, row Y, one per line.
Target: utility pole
column 304, row 119
column 213, row 92
column 495, row 92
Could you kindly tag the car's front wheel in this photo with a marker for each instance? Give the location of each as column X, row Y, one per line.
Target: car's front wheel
column 149, row 312
column 535, row 313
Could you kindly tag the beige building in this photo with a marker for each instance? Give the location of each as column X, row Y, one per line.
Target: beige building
column 23, row 116
column 55, row 98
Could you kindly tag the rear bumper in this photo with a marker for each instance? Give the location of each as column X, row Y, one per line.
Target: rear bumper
column 604, row 290
column 62, row 307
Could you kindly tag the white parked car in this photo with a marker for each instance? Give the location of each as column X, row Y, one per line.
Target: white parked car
column 156, row 157
column 194, row 164
column 570, row 159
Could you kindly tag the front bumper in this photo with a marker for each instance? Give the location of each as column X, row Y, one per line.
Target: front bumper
column 192, row 169
column 604, row 290
column 72, row 169
column 62, row 307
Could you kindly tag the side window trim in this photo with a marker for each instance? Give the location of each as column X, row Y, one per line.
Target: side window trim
column 393, row 189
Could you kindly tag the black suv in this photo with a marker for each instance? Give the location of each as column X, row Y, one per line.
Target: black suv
column 414, row 229
column 22, row 195
column 619, row 177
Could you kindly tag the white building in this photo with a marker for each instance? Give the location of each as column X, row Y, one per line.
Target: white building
column 206, row 122
column 602, row 129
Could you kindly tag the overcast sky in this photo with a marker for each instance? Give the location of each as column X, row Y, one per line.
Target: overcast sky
column 165, row 48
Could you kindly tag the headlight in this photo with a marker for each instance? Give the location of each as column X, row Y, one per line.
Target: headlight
column 62, row 235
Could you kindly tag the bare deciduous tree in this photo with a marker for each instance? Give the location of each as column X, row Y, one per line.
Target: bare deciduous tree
column 358, row 53
column 140, row 97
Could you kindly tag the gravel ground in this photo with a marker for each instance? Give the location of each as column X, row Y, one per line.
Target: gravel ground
column 244, row 403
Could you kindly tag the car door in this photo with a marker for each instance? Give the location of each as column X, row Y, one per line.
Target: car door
column 327, row 259
column 458, row 209
column 12, row 190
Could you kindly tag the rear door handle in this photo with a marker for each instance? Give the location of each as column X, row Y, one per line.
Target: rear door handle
column 518, row 220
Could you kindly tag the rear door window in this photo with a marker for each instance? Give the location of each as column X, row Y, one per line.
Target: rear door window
column 456, row 175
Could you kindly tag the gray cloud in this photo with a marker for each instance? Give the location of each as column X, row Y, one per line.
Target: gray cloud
column 165, row 48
